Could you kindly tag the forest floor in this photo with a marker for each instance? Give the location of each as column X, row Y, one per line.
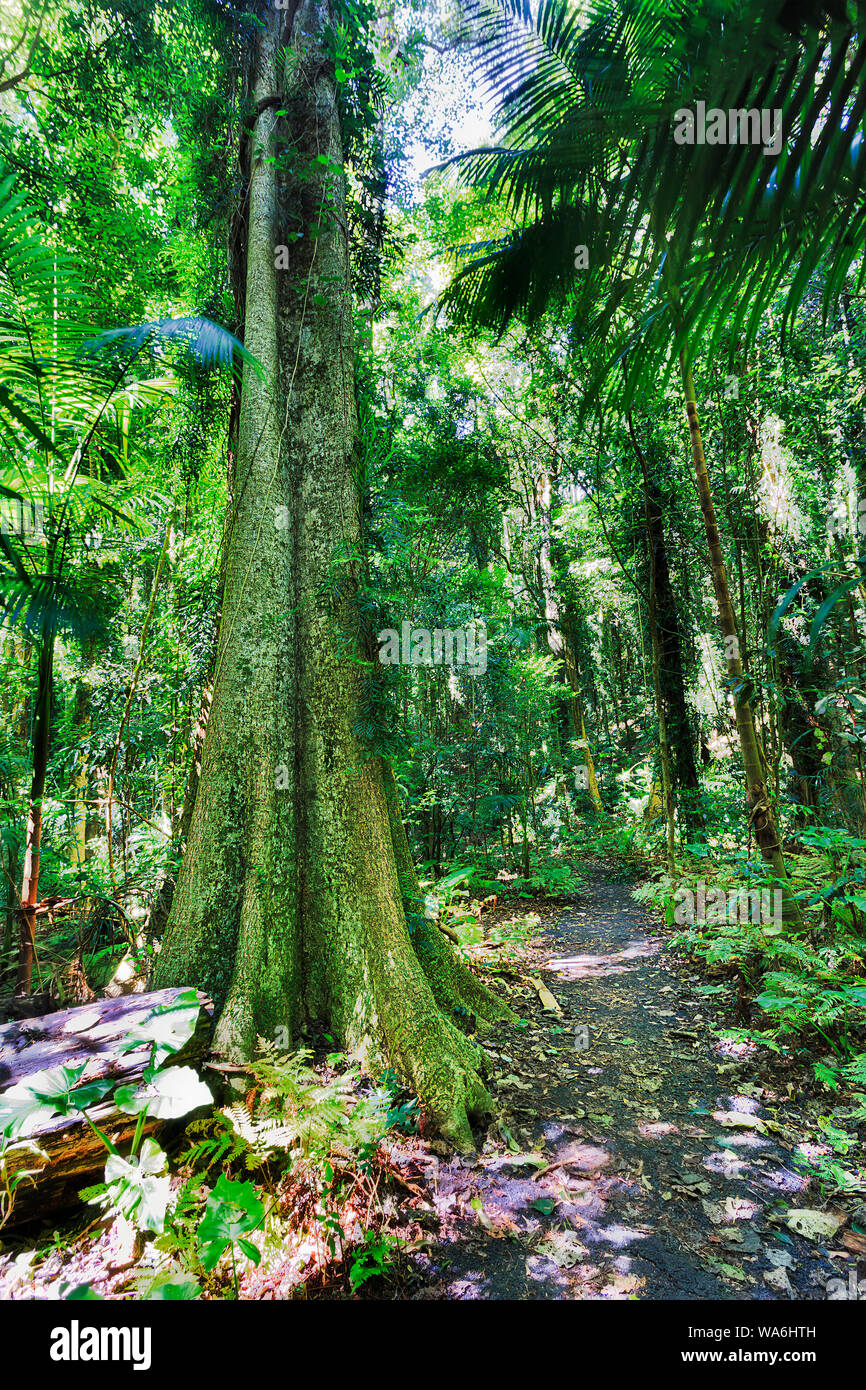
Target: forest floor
column 633, row 1154
column 636, row 1155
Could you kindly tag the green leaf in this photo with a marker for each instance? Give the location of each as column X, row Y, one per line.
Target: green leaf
column 168, row 1028
column 8, row 401
column 134, row 1188
column 167, row 1096
column 827, row 1075
column 545, row 1205
column 31, row 1103
column 233, row 1209
column 21, row 1112
column 174, row 1288
column 826, row 608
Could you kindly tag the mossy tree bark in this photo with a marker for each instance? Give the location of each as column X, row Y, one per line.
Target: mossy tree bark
column 296, row 899
column 762, row 815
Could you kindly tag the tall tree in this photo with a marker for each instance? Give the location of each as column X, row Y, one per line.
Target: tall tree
column 591, row 163
column 296, row 900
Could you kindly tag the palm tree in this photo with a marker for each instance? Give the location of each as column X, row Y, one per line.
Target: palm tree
column 67, row 400
column 684, row 244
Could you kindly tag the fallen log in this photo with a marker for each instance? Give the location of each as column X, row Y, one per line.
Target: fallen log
column 70, row 1155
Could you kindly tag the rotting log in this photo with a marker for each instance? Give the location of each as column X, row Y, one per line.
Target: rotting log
column 72, row 1155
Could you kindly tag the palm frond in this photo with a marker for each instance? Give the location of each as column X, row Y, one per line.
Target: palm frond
column 45, row 605
column 587, row 98
column 200, row 339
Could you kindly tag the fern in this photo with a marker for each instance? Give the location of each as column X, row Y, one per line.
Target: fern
column 222, row 1144
column 855, row 1071
column 294, row 1110
column 786, row 949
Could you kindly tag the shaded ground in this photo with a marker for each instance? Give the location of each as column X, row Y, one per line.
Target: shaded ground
column 634, row 1155
column 669, row 1163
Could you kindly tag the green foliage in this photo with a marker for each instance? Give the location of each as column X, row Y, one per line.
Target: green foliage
column 508, row 457
column 299, row 1114
column 137, row 1187
column 371, row 1259
column 232, row 1213
column 591, row 160
column 28, row 1104
column 220, row 1144
column 553, row 878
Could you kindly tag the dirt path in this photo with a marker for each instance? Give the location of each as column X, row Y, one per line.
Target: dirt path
column 670, row 1162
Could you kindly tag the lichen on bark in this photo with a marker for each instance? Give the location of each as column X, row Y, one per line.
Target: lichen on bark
column 297, row 899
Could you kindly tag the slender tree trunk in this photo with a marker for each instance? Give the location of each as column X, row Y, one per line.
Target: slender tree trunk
column 33, row 840
column 162, row 902
column 762, row 816
column 557, row 637
column 664, row 750
column 81, row 723
column 289, row 904
column 680, row 739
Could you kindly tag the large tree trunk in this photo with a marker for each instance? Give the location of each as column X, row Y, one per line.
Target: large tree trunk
column 289, row 904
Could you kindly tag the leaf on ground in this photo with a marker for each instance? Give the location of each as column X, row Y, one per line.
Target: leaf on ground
column 814, row 1225
column 564, row 1248
column 736, row 1119
column 778, row 1279
column 781, row 1259
column 743, row 1241
column 621, row 1286
column 731, row 1209
column 731, row 1271
column 693, row 1189
column 548, row 1001
column 545, row 1205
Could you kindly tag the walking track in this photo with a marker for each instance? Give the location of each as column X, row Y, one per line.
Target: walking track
column 669, row 1160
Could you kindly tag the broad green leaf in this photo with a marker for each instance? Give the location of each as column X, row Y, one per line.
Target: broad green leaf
column 167, row 1096
column 168, row 1028
column 232, row 1210
column 46, row 1094
column 136, row 1190
column 174, row 1288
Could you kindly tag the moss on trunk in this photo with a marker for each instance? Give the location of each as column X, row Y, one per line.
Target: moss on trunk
column 292, row 899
